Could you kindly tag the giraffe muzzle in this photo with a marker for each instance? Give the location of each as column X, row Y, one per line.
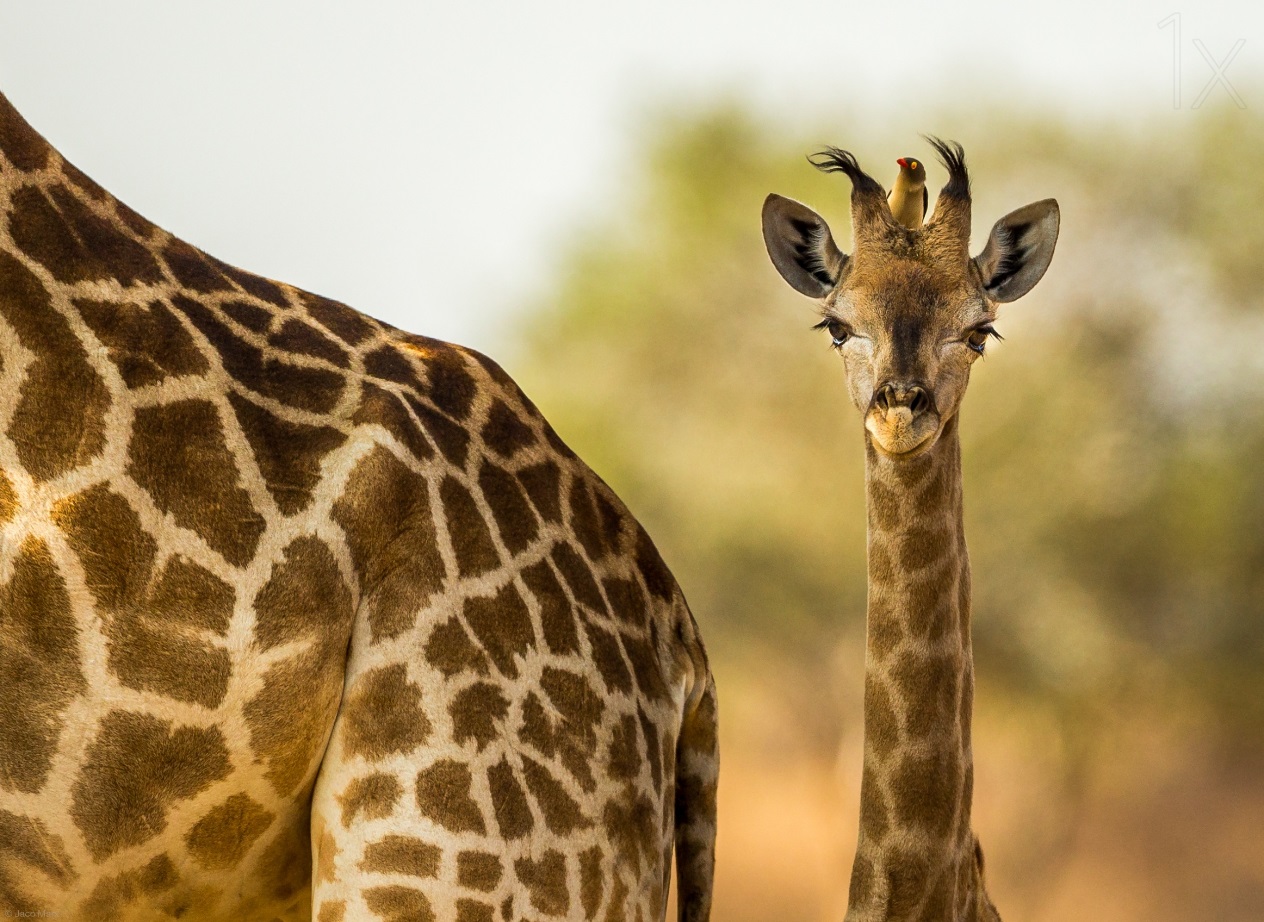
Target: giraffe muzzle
column 902, row 419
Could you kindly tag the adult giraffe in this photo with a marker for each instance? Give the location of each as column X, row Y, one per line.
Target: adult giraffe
column 302, row 616
column 910, row 312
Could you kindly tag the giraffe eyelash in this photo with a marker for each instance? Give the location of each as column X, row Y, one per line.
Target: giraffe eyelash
column 988, row 331
column 837, row 338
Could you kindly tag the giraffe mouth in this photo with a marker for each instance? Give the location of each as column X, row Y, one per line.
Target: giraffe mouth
column 901, row 434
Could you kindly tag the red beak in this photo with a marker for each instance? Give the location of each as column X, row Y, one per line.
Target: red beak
column 902, row 162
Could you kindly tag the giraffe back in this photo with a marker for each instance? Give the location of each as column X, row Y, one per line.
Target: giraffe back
column 304, row 616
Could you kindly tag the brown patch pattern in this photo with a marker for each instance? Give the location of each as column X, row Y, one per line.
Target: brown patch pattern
column 561, row 813
column 474, row 911
column 372, row 797
column 510, row 508
column 349, row 325
column 502, row 627
column 383, row 714
column 147, row 344
column 471, row 538
column 478, row 713
column 557, row 615
column 382, row 408
column 8, row 499
column 478, row 870
column 191, row 595
column 314, row 389
column 134, row 769
column 290, row 718
column 112, row 897
column 19, row 143
column 305, row 596
column 56, row 229
column 178, row 455
column 451, row 651
column 399, row 904
column 39, row 658
column 443, row 795
column 545, row 880
column 222, row 837
column 117, row 556
column 513, row 814
column 27, row 842
column 59, row 419
column 288, row 454
column 304, row 339
column 504, row 432
column 591, row 881
column 332, row 911
column 386, row 515
column 543, row 483
column 394, row 854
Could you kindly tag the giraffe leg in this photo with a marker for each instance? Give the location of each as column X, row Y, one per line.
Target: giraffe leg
column 374, row 854
column 697, row 777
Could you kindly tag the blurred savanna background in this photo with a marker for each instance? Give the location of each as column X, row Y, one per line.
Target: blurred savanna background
column 577, row 192
column 1115, row 508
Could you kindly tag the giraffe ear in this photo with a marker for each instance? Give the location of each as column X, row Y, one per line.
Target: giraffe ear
column 1019, row 251
column 801, row 247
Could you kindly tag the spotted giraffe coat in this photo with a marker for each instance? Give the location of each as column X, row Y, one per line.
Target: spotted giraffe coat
column 302, row 616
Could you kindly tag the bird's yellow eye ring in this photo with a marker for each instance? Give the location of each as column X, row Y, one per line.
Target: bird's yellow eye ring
column 912, row 164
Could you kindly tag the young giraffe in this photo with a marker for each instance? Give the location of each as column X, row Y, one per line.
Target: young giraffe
column 302, row 616
column 910, row 311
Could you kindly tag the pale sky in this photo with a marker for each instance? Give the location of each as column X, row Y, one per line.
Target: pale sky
column 425, row 161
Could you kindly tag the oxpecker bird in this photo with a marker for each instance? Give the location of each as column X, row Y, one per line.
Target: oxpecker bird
column 908, row 196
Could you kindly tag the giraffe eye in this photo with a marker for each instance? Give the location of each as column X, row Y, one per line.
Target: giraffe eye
column 838, row 332
column 977, row 338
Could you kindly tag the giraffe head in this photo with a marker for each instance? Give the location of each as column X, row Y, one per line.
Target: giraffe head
column 908, row 310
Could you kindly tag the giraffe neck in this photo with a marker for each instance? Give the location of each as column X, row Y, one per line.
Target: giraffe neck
column 915, row 856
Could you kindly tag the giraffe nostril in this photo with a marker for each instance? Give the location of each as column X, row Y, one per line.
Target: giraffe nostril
column 883, row 398
column 913, row 397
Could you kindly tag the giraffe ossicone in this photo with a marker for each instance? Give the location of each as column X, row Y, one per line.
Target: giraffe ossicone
column 305, row 617
column 910, row 311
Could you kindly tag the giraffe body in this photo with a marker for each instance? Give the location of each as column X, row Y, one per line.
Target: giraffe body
column 302, row 616
column 910, row 311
